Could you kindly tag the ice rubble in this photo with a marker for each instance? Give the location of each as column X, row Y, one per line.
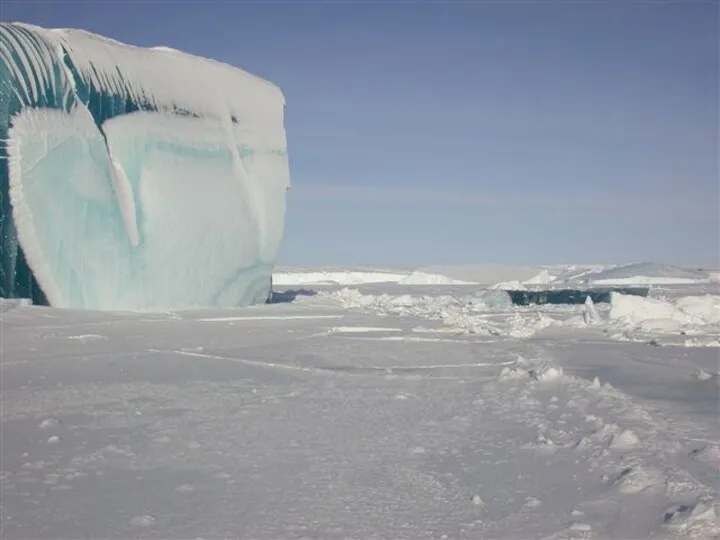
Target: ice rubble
column 689, row 321
column 131, row 178
column 666, row 315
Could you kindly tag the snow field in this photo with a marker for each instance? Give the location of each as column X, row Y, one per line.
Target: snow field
column 376, row 411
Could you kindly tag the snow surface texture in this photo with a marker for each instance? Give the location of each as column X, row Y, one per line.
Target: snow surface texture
column 138, row 179
column 380, row 410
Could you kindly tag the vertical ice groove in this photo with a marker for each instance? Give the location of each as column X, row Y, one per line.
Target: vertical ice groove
column 86, row 69
column 48, row 59
column 240, row 172
column 7, row 57
column 21, row 54
column 102, row 79
column 126, row 200
column 14, row 69
column 32, row 50
column 106, row 81
column 94, row 76
column 16, row 92
column 69, row 89
column 6, row 54
column 116, row 84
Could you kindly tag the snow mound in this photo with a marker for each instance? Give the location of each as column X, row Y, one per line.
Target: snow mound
column 514, row 285
column 543, row 278
column 491, row 274
column 624, row 440
column 648, row 274
column 663, row 315
column 705, row 307
column 532, row 370
column 695, row 320
column 635, row 310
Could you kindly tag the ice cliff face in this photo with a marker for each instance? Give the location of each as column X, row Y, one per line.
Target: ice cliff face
column 131, row 178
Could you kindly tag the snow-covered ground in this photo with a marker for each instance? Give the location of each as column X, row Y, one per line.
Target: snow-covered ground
column 367, row 408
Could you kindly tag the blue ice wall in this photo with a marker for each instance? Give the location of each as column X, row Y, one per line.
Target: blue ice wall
column 137, row 179
column 16, row 43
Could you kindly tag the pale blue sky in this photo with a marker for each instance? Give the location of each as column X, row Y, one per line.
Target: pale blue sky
column 469, row 132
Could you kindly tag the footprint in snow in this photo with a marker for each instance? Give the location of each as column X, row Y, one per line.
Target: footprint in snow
column 579, row 528
column 49, row 423
column 86, row 337
column 143, row 521
column 639, row 479
column 542, row 445
column 681, row 514
column 710, row 453
column 624, row 440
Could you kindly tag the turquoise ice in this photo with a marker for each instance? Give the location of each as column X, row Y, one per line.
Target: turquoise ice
column 135, row 179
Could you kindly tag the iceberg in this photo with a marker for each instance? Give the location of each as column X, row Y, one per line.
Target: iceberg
column 142, row 179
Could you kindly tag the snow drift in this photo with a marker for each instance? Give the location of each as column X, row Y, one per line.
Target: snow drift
column 142, row 179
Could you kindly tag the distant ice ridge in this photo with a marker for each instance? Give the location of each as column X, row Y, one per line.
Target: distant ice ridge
column 359, row 277
column 504, row 277
column 131, row 178
column 493, row 274
column 430, row 275
column 648, row 274
column 338, row 277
